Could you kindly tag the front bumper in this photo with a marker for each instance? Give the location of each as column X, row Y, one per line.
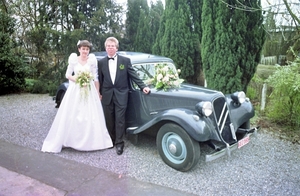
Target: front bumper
column 229, row 149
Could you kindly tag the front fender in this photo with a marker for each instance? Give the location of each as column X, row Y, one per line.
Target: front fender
column 64, row 86
column 200, row 130
column 240, row 113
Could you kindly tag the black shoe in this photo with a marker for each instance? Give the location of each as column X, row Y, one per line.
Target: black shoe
column 120, row 149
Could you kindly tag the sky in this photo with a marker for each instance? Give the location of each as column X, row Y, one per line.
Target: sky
column 264, row 3
column 281, row 19
column 125, row 1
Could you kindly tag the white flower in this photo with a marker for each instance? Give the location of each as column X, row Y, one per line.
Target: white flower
column 165, row 78
column 166, row 68
column 159, row 77
column 83, row 80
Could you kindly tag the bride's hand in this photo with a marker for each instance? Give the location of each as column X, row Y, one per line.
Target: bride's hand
column 74, row 78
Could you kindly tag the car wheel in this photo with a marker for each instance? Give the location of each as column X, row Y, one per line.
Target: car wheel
column 60, row 98
column 245, row 125
column 176, row 148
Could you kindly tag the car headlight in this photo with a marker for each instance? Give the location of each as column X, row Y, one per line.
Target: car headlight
column 204, row 108
column 238, row 97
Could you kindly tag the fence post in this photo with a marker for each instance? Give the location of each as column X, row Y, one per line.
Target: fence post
column 263, row 97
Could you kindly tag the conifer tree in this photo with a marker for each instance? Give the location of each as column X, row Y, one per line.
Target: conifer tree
column 156, row 12
column 132, row 20
column 231, row 44
column 196, row 10
column 254, row 40
column 147, row 27
column 175, row 38
column 208, row 35
column 143, row 39
column 156, row 48
column 226, row 72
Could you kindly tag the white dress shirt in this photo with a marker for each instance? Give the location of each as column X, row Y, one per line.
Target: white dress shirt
column 112, row 64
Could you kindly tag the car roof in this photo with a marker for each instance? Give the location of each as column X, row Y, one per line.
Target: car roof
column 137, row 57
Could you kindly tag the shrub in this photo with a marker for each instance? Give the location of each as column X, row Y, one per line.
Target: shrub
column 252, row 93
column 283, row 106
column 52, row 88
column 12, row 73
column 39, row 87
column 255, row 87
column 29, row 83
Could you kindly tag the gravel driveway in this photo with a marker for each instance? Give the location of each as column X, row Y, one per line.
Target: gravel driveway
column 266, row 166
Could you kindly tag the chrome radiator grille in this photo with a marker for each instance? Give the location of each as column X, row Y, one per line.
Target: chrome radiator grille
column 222, row 119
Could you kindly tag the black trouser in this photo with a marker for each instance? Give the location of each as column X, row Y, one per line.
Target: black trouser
column 115, row 120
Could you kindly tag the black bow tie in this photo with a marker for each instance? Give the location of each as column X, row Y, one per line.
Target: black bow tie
column 110, row 58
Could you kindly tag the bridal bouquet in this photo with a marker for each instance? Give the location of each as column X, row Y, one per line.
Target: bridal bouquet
column 83, row 79
column 165, row 78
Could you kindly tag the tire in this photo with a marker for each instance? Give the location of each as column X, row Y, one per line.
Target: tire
column 176, row 148
column 245, row 125
column 60, row 98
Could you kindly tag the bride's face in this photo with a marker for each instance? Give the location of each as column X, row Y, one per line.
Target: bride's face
column 84, row 51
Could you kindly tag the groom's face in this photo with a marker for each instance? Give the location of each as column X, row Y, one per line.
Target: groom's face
column 111, row 48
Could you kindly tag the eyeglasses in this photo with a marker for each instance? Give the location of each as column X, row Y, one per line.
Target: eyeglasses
column 110, row 46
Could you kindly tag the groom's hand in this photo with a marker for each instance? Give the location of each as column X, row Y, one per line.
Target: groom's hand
column 146, row 90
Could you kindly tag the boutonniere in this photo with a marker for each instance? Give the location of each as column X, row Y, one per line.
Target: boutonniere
column 122, row 66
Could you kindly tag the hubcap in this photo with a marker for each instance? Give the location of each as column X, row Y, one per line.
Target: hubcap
column 174, row 148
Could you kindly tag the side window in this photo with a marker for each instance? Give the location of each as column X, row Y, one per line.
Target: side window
column 145, row 72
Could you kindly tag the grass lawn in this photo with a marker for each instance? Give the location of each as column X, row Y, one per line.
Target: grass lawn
column 264, row 71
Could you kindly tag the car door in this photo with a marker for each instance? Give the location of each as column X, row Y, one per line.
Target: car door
column 137, row 112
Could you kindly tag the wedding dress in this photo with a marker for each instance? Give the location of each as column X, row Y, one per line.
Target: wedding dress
column 79, row 122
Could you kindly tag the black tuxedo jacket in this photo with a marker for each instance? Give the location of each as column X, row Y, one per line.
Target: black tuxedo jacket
column 120, row 88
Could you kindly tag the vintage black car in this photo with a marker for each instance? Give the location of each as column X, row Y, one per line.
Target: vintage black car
column 183, row 118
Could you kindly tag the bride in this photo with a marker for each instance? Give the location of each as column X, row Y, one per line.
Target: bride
column 79, row 122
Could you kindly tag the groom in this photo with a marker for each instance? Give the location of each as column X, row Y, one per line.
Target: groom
column 114, row 72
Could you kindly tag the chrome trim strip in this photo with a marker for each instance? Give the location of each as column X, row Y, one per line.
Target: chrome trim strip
column 132, row 128
column 222, row 113
column 232, row 131
column 224, row 120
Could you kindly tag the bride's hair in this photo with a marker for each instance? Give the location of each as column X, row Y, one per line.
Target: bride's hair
column 84, row 43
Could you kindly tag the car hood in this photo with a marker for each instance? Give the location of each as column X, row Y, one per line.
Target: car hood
column 187, row 96
column 189, row 91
